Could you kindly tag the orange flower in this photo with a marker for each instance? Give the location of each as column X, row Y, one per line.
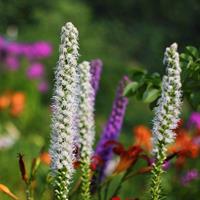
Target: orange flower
column 143, row 137
column 5, row 190
column 45, row 158
column 17, row 103
column 184, row 145
column 4, row 101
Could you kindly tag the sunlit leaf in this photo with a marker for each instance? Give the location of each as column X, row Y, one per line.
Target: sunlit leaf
column 131, row 88
column 150, row 95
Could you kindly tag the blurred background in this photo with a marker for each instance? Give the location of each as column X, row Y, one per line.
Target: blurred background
column 123, row 34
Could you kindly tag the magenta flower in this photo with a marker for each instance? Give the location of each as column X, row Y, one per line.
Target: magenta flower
column 14, row 48
column 35, row 71
column 189, row 176
column 194, row 119
column 43, row 87
column 26, row 50
column 41, row 49
column 32, row 51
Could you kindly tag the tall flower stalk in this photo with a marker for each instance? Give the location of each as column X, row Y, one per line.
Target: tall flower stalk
column 166, row 117
column 113, row 126
column 65, row 106
column 86, row 127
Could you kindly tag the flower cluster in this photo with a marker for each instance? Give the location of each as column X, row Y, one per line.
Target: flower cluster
column 12, row 52
column 166, row 116
column 189, row 176
column 64, row 111
column 168, row 110
column 15, row 101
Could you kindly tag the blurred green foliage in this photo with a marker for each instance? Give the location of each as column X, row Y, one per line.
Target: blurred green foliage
column 125, row 35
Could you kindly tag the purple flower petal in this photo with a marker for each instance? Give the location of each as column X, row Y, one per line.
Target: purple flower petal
column 189, row 176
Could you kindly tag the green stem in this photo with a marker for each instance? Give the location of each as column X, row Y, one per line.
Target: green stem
column 120, row 184
column 157, row 171
column 61, row 185
column 99, row 193
column 85, row 180
column 28, row 192
column 75, row 189
column 106, row 190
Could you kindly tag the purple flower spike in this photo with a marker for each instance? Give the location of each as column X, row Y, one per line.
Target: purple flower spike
column 36, row 70
column 113, row 126
column 95, row 70
column 194, row 119
column 189, row 176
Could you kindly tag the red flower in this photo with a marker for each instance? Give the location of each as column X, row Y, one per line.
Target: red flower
column 127, row 157
column 96, row 162
column 116, row 198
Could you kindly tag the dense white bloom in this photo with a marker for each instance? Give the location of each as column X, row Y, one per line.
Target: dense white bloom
column 168, row 109
column 86, row 126
column 65, row 107
column 86, row 111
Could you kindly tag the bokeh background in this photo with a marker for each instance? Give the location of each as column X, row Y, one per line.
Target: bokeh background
column 123, row 34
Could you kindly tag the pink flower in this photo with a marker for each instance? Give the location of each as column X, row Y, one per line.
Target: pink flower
column 36, row 70
column 12, row 62
column 194, row 119
column 43, row 86
column 14, row 48
column 41, row 49
column 26, row 50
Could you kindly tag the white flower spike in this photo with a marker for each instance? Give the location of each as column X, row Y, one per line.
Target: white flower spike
column 65, row 106
column 86, row 125
column 166, row 116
